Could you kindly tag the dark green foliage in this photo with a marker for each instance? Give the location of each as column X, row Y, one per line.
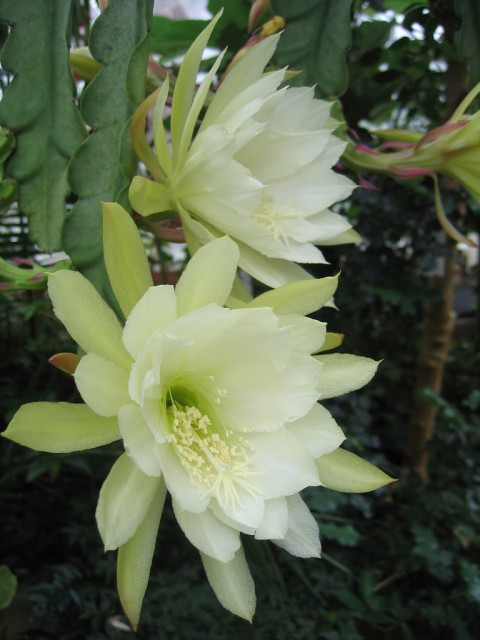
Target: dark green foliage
column 469, row 37
column 173, row 37
column 316, row 39
column 38, row 107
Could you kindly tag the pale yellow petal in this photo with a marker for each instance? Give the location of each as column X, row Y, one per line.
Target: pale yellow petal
column 87, row 317
column 135, row 558
column 125, row 498
column 209, row 276
column 232, row 583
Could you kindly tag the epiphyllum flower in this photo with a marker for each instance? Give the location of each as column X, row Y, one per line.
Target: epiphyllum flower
column 218, row 406
column 258, row 169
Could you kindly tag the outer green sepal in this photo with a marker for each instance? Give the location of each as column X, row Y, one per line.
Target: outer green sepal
column 344, row 471
column 60, row 427
column 125, row 259
column 135, row 559
column 303, row 296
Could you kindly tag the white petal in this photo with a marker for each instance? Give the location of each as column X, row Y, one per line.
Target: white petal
column 302, row 537
column 273, row 156
column 208, row 534
column 318, row 432
column 156, row 310
column 275, row 521
column 124, row 500
column 307, row 334
column 232, row 583
column 189, row 496
column 312, row 189
column 243, row 74
column 102, row 384
column 273, row 272
column 343, row 373
column 138, row 440
column 246, row 515
column 284, row 467
column 243, row 528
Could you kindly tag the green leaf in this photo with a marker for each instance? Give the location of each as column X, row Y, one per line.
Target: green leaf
column 172, row 37
column 8, row 586
column 469, row 37
column 38, row 107
column 342, row 470
column 402, row 6
column 103, row 166
column 344, row 534
column 233, row 12
column 316, row 38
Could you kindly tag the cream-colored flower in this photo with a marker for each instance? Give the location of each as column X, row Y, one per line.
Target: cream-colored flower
column 259, row 169
column 216, row 405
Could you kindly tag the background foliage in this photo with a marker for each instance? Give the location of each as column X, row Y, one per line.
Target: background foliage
column 400, row 564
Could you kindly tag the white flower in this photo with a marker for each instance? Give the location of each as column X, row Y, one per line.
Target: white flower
column 259, row 169
column 218, row 406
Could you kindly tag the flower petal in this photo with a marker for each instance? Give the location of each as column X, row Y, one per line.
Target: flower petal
column 125, row 258
column 302, row 297
column 243, row 74
column 135, row 558
column 102, row 384
column 318, row 431
column 88, row 319
column 273, row 272
column 307, row 334
column 275, row 520
column 125, row 498
column 342, row 373
column 188, row 496
column 342, row 470
column 209, row 276
column 284, row 467
column 185, row 85
column 302, row 538
column 208, row 534
column 138, row 440
column 156, row 310
column 60, row 427
column 232, row 583
column 148, row 197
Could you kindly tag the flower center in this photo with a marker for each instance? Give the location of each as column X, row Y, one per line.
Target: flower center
column 273, row 217
column 214, row 456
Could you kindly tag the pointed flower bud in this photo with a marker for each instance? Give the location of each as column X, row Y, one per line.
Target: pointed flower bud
column 453, row 149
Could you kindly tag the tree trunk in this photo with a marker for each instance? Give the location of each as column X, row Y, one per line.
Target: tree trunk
column 435, row 343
